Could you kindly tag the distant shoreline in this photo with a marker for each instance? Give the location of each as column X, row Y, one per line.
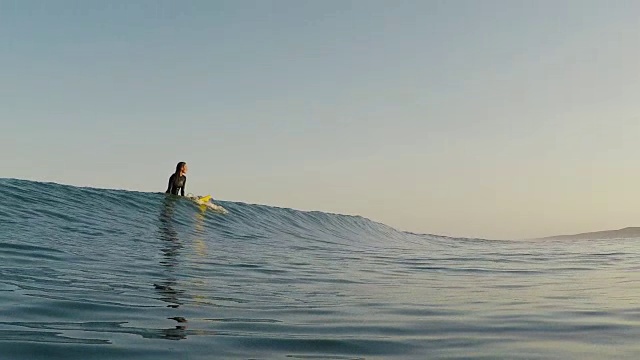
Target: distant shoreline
column 625, row 233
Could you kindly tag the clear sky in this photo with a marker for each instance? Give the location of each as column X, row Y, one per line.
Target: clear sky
column 497, row 119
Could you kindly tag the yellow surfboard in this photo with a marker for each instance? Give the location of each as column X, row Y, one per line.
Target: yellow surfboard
column 205, row 201
column 205, row 198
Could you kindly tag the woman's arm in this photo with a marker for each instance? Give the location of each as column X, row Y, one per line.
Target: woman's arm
column 170, row 183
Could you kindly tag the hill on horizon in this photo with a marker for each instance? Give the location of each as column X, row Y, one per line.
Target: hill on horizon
column 625, row 233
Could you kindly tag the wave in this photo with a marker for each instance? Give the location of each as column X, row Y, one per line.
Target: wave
column 96, row 212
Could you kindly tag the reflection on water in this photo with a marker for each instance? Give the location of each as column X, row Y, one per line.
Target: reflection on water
column 199, row 243
column 167, row 288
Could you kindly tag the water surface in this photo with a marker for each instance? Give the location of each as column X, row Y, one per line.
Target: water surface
column 105, row 274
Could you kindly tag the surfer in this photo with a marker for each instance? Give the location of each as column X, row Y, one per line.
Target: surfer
column 178, row 180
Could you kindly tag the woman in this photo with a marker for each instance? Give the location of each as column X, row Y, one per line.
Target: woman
column 178, row 180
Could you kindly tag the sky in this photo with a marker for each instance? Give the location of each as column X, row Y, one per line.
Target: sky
column 492, row 119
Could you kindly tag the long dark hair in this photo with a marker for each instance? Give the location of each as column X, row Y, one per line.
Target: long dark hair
column 179, row 167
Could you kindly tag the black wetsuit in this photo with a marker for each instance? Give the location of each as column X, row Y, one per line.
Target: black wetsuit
column 176, row 183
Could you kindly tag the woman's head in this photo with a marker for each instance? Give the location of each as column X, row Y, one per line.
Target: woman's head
column 181, row 168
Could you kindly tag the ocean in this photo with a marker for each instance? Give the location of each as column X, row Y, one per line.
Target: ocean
column 111, row 274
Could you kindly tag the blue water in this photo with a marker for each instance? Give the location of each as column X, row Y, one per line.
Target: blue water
column 105, row 274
